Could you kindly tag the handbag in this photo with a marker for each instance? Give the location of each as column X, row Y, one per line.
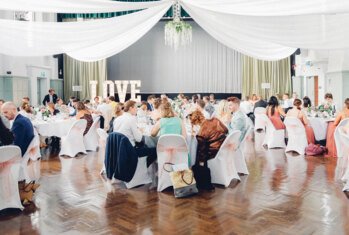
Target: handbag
column 315, row 149
column 183, row 182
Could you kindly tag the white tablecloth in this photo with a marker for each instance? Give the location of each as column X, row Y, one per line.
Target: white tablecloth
column 319, row 126
column 57, row 128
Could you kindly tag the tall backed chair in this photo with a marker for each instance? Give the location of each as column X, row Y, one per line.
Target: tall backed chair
column 223, row 168
column 141, row 175
column 344, row 143
column 10, row 164
column 297, row 137
column 103, row 135
column 91, row 137
column 30, row 170
column 171, row 149
column 73, row 142
column 240, row 160
column 259, row 122
column 337, row 138
column 273, row 138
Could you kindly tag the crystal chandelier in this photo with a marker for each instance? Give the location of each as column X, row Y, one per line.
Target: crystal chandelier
column 177, row 32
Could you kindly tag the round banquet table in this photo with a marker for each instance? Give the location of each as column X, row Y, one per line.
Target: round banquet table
column 53, row 127
column 319, row 126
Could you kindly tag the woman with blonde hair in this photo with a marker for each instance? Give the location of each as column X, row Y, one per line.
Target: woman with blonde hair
column 223, row 113
column 168, row 123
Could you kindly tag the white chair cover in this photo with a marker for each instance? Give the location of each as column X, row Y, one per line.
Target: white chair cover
column 297, row 137
column 223, row 168
column 91, row 137
column 103, row 135
column 344, row 159
column 10, row 163
column 73, row 143
column 337, row 138
column 31, row 171
column 239, row 159
column 170, row 149
column 273, row 138
column 259, row 121
column 141, row 175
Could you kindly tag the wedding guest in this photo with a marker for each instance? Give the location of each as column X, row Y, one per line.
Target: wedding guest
column 260, row 103
column 246, row 106
column 96, row 102
column 50, row 97
column 155, row 115
column 106, row 112
column 287, row 102
column 6, row 136
column 330, row 142
column 212, row 132
column 22, row 128
column 207, row 102
column 71, row 100
column 329, row 103
column 26, row 100
column 223, row 113
column 111, row 101
column 142, row 111
column 212, row 99
column 51, row 108
column 274, row 112
column 254, row 99
column 306, row 102
column 151, row 99
column 118, row 112
column 239, row 119
column 194, row 98
column 126, row 124
column 26, row 110
column 88, row 104
column 196, row 118
column 168, row 123
column 200, row 105
column 296, row 112
column 83, row 113
column 180, row 96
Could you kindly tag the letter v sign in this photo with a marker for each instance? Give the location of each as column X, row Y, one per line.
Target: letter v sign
column 121, row 87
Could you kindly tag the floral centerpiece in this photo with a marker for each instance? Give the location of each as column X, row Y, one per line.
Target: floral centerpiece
column 176, row 105
column 45, row 112
column 326, row 107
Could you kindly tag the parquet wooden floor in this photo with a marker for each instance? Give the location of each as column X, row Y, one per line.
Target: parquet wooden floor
column 283, row 194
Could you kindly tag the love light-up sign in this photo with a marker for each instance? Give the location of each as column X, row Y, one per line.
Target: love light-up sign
column 121, row 87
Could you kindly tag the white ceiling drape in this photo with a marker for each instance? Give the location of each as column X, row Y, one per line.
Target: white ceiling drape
column 83, row 40
column 270, row 37
column 273, row 7
column 74, row 6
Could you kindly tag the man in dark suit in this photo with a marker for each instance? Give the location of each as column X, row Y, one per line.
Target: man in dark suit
column 22, row 128
column 51, row 97
column 150, row 102
column 260, row 103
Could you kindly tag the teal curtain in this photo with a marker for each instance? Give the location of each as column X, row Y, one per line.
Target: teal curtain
column 169, row 13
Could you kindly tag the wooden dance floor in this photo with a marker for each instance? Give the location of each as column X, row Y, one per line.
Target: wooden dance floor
column 284, row 194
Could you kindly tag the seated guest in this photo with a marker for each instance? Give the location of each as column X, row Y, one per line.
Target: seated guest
column 274, row 111
column 126, row 124
column 239, row 119
column 71, row 100
column 306, row 102
column 6, row 136
column 50, row 97
column 194, row 98
column 196, row 119
column 212, row 99
column 186, row 105
column 200, row 105
column 254, row 99
column 169, row 123
column 330, row 142
column 246, row 106
column 26, row 110
column 212, row 134
column 328, row 103
column 83, row 113
column 72, row 109
column 51, row 108
column 155, row 115
column 26, row 100
column 150, row 100
column 260, row 103
column 22, row 128
column 287, row 102
column 142, row 111
column 111, row 101
column 88, row 104
column 223, row 113
column 296, row 112
column 96, row 102
column 118, row 112
column 106, row 112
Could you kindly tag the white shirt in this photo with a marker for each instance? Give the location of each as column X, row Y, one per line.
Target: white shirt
column 51, row 98
column 126, row 124
column 287, row 104
column 246, row 107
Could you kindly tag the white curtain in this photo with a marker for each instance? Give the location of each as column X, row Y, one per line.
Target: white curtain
column 85, row 41
column 205, row 65
column 273, row 7
column 271, row 37
column 74, row 6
